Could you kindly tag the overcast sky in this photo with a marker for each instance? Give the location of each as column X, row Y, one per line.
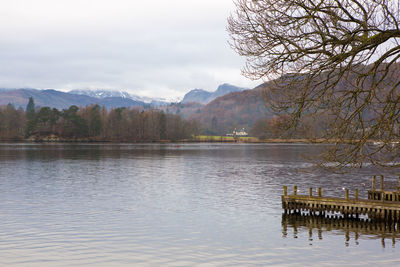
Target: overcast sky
column 153, row 48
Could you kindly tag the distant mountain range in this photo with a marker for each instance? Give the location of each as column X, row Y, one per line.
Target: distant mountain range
column 61, row 100
column 120, row 94
column 205, row 97
column 108, row 98
column 104, row 93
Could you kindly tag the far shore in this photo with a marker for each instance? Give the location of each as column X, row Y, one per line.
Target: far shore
column 197, row 139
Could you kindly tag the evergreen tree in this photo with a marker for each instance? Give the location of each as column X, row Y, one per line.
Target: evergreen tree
column 30, row 108
column 31, row 117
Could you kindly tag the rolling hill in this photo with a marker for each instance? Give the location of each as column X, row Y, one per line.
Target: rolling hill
column 234, row 110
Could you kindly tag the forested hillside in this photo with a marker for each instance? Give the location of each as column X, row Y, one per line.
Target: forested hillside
column 234, row 110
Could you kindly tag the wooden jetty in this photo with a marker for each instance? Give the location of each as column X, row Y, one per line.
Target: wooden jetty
column 381, row 205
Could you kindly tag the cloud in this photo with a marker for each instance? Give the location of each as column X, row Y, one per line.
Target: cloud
column 155, row 48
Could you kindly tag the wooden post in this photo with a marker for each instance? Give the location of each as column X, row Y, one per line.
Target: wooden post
column 374, row 183
column 398, row 188
column 320, row 192
column 285, row 190
column 347, row 194
column 382, row 192
column 356, row 194
column 295, row 190
column 310, row 194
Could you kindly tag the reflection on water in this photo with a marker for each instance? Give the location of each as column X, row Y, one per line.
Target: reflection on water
column 318, row 226
column 169, row 204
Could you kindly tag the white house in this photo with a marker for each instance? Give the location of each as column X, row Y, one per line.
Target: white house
column 239, row 133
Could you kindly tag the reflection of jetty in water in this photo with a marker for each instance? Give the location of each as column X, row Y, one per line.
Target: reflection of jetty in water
column 350, row 228
column 381, row 205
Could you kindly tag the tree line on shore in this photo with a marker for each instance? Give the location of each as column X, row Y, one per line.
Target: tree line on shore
column 93, row 123
column 279, row 127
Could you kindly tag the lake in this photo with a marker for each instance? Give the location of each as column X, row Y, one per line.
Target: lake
column 176, row 205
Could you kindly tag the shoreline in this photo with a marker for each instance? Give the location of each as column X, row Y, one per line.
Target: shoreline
column 250, row 140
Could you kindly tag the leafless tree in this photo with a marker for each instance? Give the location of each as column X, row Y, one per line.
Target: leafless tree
column 332, row 58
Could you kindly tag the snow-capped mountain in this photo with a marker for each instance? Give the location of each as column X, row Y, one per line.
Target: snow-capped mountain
column 101, row 93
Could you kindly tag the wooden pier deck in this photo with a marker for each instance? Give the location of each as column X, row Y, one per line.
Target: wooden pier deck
column 380, row 206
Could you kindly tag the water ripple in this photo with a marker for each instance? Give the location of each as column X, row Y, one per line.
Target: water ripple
column 152, row 204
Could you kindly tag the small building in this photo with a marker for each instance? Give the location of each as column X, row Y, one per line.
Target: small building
column 239, row 133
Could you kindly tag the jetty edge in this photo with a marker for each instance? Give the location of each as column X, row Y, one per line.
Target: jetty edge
column 381, row 205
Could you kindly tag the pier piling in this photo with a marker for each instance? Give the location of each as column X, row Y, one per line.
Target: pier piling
column 373, row 183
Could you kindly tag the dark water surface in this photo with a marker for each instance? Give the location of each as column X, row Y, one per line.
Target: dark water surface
column 175, row 205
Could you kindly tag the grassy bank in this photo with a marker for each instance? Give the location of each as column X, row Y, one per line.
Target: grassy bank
column 215, row 138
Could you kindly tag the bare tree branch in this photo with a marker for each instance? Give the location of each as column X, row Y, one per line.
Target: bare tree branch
column 339, row 58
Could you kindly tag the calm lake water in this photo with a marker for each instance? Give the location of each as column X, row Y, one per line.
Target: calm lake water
column 175, row 205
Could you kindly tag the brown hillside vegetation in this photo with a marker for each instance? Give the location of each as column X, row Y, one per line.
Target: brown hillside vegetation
column 234, row 110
